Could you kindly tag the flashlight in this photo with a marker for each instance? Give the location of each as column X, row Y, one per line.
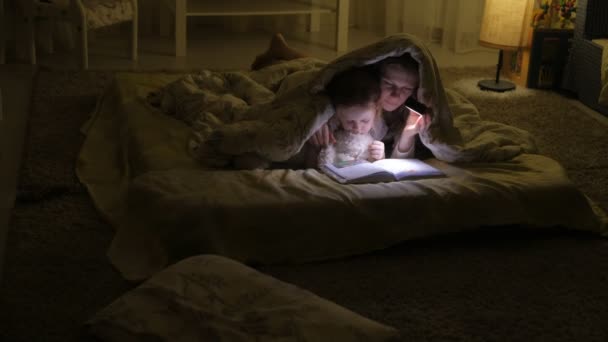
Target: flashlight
column 415, row 106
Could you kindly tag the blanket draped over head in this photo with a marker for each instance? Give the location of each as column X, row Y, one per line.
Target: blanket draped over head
column 272, row 112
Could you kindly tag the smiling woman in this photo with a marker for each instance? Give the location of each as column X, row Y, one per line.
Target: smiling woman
column 399, row 81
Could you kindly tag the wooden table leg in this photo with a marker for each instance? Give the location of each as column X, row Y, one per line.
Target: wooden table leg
column 180, row 28
column 342, row 11
column 314, row 20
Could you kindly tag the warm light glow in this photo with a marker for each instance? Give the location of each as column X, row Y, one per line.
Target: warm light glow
column 413, row 126
column 502, row 23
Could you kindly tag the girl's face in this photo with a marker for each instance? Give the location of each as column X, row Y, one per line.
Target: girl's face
column 357, row 119
column 397, row 85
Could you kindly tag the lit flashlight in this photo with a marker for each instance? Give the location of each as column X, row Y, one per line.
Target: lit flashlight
column 415, row 106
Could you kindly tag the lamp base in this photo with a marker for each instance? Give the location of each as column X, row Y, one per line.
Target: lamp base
column 492, row 85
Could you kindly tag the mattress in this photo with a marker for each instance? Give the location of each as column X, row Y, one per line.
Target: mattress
column 166, row 207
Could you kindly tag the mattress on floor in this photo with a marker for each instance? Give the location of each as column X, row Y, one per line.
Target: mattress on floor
column 165, row 207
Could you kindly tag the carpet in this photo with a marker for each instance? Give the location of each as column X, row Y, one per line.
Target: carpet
column 506, row 284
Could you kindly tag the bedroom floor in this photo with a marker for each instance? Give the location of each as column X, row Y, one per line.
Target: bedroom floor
column 213, row 48
column 206, row 49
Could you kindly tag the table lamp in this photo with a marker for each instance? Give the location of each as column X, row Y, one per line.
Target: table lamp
column 501, row 28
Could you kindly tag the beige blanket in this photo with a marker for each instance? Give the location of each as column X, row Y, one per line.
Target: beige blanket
column 271, row 113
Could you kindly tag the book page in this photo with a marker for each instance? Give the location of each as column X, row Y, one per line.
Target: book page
column 355, row 171
column 403, row 168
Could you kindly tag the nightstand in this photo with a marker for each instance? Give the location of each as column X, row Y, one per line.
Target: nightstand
column 541, row 63
column 182, row 9
column 548, row 57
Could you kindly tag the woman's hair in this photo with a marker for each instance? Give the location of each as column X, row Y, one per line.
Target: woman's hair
column 354, row 87
column 405, row 61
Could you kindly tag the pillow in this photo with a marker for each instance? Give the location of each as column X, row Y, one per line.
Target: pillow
column 213, row 298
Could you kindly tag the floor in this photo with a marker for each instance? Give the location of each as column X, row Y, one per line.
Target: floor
column 207, row 48
column 15, row 88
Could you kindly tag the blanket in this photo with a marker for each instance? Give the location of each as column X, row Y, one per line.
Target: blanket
column 272, row 112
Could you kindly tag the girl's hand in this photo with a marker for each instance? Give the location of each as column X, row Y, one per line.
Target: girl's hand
column 322, row 137
column 376, row 150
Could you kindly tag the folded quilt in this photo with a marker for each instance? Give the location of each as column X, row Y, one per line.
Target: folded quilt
column 272, row 112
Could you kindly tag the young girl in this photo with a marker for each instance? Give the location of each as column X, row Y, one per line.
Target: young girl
column 358, row 125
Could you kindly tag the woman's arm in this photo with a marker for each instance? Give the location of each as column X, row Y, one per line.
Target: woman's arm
column 324, row 136
column 404, row 148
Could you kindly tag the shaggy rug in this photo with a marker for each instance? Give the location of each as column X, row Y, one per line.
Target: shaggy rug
column 507, row 284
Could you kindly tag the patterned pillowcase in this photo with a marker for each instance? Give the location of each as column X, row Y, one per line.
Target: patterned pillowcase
column 213, row 298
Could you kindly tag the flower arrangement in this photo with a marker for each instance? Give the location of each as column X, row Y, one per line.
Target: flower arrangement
column 566, row 11
column 541, row 12
column 554, row 14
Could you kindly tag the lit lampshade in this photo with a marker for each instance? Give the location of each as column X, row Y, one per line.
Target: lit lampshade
column 501, row 28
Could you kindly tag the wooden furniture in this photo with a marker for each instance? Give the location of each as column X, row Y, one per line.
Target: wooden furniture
column 541, row 63
column 87, row 9
column 182, row 9
column 84, row 14
column 548, row 57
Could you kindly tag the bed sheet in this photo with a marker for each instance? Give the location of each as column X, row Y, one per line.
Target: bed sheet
column 166, row 207
column 603, row 98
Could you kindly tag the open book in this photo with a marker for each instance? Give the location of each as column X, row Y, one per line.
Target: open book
column 384, row 170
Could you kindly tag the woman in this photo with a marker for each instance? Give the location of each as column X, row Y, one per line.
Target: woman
column 399, row 81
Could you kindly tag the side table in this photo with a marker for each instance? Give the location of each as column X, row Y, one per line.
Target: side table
column 548, row 57
column 182, row 9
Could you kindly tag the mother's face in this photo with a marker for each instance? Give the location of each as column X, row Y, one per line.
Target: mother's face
column 397, row 85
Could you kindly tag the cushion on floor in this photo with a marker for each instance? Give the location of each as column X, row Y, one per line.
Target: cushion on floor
column 213, row 298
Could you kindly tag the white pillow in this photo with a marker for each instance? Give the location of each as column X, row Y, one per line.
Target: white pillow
column 213, row 298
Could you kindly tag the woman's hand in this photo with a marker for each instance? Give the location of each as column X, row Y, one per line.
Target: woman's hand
column 414, row 124
column 376, row 150
column 322, row 137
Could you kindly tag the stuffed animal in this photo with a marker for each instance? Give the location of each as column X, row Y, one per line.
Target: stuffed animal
column 348, row 149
